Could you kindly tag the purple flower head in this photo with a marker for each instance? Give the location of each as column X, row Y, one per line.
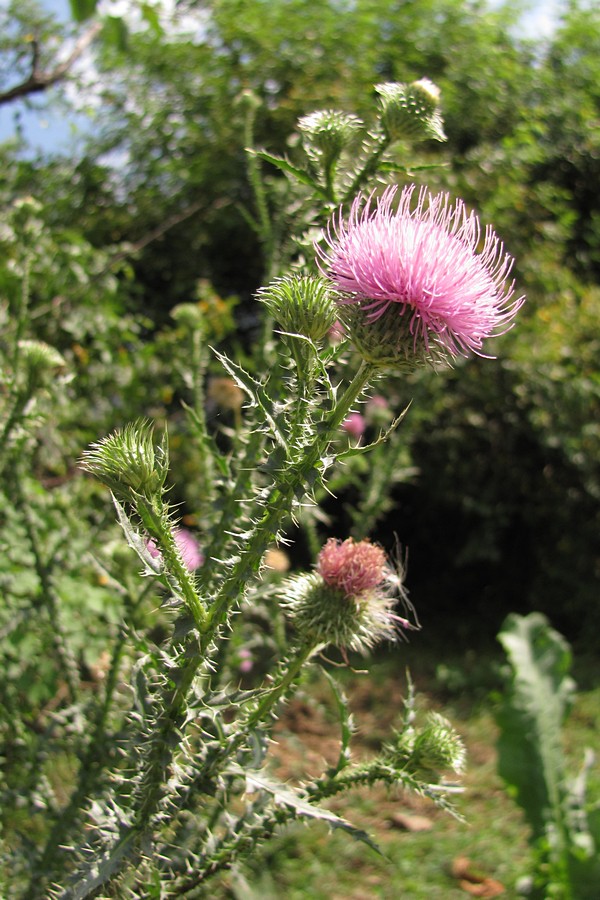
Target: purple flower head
column 377, row 402
column 425, row 268
column 187, row 546
column 354, row 425
column 353, row 568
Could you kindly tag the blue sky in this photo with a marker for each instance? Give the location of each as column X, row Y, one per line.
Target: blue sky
column 52, row 131
column 42, row 129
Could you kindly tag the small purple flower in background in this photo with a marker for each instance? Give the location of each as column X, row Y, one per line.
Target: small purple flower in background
column 427, row 264
column 354, row 425
column 187, row 545
column 336, row 333
column 378, row 412
column 246, row 663
column 376, row 403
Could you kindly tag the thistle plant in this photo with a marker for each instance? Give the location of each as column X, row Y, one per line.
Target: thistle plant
column 173, row 783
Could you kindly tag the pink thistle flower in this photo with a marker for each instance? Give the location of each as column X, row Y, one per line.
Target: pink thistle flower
column 187, row 546
column 377, row 402
column 427, row 264
column 354, row 425
column 353, row 568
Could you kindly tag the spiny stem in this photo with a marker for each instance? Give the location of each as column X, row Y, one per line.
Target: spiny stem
column 368, row 168
column 274, row 693
column 277, row 507
column 156, row 521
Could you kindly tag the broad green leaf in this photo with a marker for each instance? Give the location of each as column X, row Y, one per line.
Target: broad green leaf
column 530, row 754
column 150, row 15
column 115, row 33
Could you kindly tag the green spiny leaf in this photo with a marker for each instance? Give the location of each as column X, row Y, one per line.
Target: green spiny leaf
column 283, row 795
column 300, row 175
column 258, row 397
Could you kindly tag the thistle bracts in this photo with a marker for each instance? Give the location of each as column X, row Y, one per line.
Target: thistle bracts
column 410, row 110
column 348, row 601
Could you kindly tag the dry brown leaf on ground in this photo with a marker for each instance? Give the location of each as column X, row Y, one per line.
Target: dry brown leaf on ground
column 473, row 882
column 410, row 823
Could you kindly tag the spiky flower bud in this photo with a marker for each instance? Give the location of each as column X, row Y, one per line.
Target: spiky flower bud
column 327, row 132
column 348, row 601
column 301, row 304
column 410, row 110
column 129, row 463
column 188, row 314
column 40, row 358
column 430, row 751
column 387, row 342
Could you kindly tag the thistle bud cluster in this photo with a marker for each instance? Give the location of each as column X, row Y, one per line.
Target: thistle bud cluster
column 40, row 359
column 188, row 314
column 348, row 601
column 410, row 110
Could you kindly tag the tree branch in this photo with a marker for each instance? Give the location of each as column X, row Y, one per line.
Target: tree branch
column 38, row 80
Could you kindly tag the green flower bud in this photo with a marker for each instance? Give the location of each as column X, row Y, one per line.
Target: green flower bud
column 188, row 314
column 40, row 358
column 411, row 110
column 301, row 304
column 327, row 132
column 430, row 751
column 248, row 99
column 128, row 462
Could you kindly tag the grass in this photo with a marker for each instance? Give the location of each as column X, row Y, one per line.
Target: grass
column 490, row 845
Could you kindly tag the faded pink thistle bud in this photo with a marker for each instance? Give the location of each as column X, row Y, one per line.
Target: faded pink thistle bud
column 349, row 600
column 378, row 412
column 352, row 568
column 423, row 271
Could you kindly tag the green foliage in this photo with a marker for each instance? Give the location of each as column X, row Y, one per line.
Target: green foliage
column 82, row 9
column 564, row 827
column 165, row 210
column 181, row 107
